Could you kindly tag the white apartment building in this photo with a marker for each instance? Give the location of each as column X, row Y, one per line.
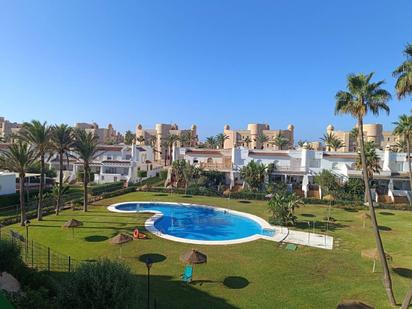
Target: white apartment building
column 7, row 183
column 115, row 163
column 297, row 168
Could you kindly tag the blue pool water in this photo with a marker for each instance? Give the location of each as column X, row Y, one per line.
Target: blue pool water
column 199, row 223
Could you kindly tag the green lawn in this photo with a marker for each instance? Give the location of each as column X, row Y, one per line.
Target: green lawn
column 258, row 274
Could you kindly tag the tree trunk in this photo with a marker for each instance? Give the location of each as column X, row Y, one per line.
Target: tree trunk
column 409, row 161
column 386, row 274
column 85, row 182
column 40, row 205
column 59, row 194
column 407, row 300
column 22, row 209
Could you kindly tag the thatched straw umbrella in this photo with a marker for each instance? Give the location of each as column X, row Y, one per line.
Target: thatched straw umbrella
column 372, row 254
column 193, row 257
column 365, row 216
column 120, row 239
column 72, row 224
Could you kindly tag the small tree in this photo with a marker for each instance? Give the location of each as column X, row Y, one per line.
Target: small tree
column 327, row 182
column 282, row 206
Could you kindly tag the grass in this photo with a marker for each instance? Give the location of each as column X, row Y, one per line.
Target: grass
column 258, row 274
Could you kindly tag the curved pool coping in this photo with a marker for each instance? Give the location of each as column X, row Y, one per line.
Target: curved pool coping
column 280, row 232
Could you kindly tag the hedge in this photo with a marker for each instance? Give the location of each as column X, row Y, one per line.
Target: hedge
column 104, row 188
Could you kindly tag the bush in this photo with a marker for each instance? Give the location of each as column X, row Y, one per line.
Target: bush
column 163, row 174
column 142, row 174
column 10, row 260
column 104, row 284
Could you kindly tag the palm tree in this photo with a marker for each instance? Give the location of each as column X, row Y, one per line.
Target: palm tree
column 372, row 160
column 85, row 146
column 404, row 129
column 61, row 140
column 247, row 141
column 211, row 142
column 140, row 139
column 37, row 134
column 354, row 134
column 261, row 139
column 129, row 137
column 330, row 140
column 220, row 140
column 281, row 141
column 400, row 146
column 18, row 158
column 404, row 73
column 337, row 144
column 170, row 141
column 254, row 175
column 363, row 96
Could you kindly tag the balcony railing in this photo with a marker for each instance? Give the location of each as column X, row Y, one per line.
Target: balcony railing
column 215, row 166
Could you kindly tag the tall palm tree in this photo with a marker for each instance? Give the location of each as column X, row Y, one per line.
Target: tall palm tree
column 400, row 146
column 170, row 141
column 85, row 147
column 261, row 139
column 220, row 140
column 363, row 96
column 211, row 142
column 354, row 134
column 37, row 134
column 328, row 139
column 337, row 144
column 140, row 139
column 404, row 73
column 18, row 158
column 61, row 140
column 404, row 129
column 372, row 160
column 281, row 141
column 129, row 137
column 247, row 141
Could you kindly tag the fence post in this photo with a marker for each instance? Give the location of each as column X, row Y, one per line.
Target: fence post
column 32, row 257
column 48, row 258
column 69, row 263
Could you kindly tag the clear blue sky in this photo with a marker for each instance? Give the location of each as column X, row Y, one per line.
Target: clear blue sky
column 205, row 62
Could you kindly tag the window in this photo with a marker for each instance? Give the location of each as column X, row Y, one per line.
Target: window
column 315, row 163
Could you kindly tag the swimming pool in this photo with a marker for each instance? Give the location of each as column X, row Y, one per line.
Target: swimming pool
column 199, row 224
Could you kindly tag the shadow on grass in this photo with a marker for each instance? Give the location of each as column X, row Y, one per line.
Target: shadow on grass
column 160, row 194
column 384, row 228
column 403, row 272
column 156, row 257
column 168, row 292
column 387, row 213
column 350, row 209
column 245, row 202
column 187, row 196
column 235, row 282
column 96, row 238
column 308, row 215
column 320, row 226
